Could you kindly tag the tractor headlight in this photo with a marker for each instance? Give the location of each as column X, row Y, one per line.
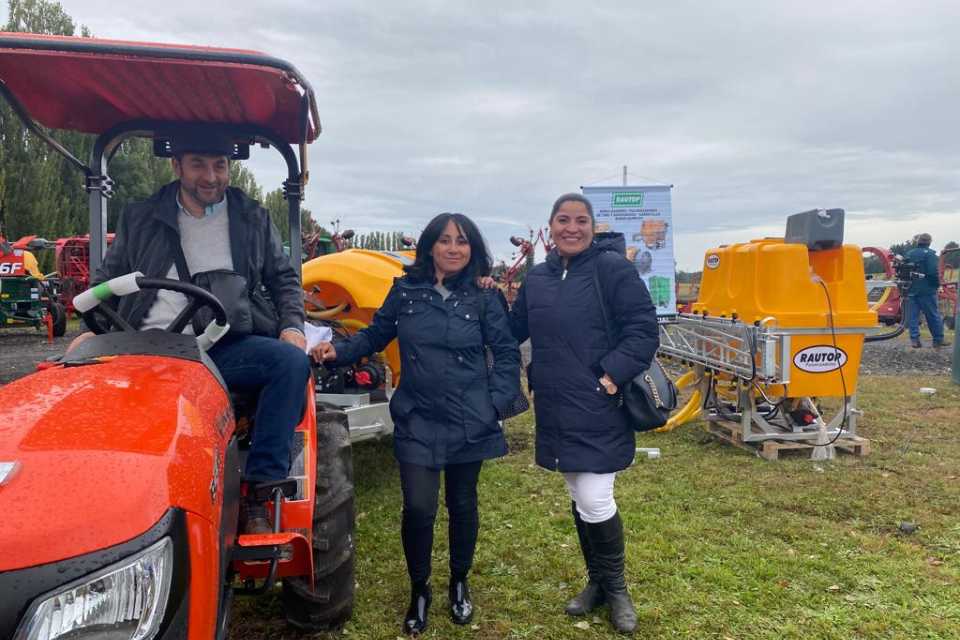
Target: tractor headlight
column 124, row 601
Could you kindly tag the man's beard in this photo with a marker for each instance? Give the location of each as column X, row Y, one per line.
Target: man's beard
column 197, row 195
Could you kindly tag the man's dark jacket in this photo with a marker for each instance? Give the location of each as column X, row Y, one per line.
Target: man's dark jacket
column 144, row 243
column 580, row 428
column 927, row 263
column 446, row 406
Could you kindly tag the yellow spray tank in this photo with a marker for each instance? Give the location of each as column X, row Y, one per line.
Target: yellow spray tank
column 351, row 285
column 778, row 323
column 787, row 286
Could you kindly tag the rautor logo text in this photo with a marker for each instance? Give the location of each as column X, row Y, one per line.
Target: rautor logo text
column 626, row 199
column 821, row 358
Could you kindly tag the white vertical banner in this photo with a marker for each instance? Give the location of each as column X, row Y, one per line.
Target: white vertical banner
column 644, row 216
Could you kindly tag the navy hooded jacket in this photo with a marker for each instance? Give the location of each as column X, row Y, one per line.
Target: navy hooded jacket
column 580, row 428
column 445, row 409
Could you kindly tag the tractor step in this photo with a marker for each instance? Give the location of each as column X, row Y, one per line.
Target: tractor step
column 262, row 546
column 265, row 546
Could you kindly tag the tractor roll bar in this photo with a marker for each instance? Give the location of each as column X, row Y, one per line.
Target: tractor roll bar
column 37, row 130
column 99, row 186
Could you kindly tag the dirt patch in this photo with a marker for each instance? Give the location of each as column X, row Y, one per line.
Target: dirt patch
column 897, row 357
column 22, row 348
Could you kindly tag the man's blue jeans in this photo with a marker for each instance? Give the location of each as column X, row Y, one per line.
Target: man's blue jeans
column 927, row 304
column 279, row 372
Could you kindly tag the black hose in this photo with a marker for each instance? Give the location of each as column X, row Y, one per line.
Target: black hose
column 890, row 335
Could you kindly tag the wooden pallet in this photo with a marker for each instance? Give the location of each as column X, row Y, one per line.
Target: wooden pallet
column 771, row 449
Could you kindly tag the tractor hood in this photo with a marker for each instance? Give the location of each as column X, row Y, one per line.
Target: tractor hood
column 94, row 455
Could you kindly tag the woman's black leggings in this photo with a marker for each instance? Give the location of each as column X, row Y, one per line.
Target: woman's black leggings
column 421, row 490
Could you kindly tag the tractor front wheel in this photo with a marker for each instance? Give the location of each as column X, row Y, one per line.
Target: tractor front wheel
column 328, row 603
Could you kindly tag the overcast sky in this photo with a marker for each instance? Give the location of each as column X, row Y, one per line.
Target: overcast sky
column 753, row 110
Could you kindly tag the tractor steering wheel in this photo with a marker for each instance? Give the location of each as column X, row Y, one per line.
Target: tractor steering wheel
column 93, row 312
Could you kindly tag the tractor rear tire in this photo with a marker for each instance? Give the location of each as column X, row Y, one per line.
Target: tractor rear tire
column 329, row 603
column 59, row 316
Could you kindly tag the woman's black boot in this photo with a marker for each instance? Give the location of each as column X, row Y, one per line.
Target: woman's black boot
column 592, row 595
column 415, row 621
column 606, row 541
column 461, row 607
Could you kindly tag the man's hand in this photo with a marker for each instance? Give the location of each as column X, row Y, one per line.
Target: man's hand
column 323, row 352
column 295, row 338
column 80, row 338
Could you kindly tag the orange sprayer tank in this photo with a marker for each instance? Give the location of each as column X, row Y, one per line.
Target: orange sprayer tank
column 772, row 282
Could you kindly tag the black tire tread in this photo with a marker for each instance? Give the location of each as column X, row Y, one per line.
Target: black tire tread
column 329, row 603
column 59, row 314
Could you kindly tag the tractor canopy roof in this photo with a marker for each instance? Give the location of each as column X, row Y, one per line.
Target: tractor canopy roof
column 93, row 85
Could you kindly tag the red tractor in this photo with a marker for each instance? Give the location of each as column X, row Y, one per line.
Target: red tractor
column 73, row 265
column 120, row 464
column 883, row 294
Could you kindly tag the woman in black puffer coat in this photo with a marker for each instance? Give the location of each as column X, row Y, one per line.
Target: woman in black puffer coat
column 446, row 408
column 577, row 366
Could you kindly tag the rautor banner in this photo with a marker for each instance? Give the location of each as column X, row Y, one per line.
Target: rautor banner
column 644, row 216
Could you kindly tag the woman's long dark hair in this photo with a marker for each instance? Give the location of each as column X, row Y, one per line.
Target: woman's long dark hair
column 480, row 261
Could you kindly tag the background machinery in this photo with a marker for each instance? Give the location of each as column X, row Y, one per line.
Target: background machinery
column 27, row 296
column 343, row 290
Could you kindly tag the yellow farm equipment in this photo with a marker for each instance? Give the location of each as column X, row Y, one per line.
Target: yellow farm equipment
column 778, row 325
column 343, row 290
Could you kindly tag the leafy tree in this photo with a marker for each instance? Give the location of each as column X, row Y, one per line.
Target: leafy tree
column 39, row 192
column 901, row 248
column 41, row 16
column 872, row 264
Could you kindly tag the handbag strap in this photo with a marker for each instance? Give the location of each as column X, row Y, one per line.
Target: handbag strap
column 180, row 260
column 183, row 271
column 603, row 305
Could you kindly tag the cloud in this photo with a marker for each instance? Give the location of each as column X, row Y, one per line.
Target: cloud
column 752, row 109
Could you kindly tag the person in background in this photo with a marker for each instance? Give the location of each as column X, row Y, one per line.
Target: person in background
column 922, row 295
column 447, row 406
column 577, row 368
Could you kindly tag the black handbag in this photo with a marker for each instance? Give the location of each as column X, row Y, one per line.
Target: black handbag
column 229, row 287
column 649, row 398
column 520, row 404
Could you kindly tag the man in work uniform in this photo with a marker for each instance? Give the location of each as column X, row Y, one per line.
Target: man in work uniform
column 922, row 296
column 218, row 227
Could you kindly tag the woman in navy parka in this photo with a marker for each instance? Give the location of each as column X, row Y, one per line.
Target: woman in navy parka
column 576, row 370
column 447, row 405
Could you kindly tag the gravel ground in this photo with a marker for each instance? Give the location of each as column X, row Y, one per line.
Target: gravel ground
column 895, row 357
column 22, row 348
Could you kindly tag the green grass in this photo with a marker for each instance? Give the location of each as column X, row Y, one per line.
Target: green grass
column 721, row 544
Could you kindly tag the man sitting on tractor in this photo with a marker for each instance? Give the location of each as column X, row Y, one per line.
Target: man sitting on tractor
column 200, row 229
